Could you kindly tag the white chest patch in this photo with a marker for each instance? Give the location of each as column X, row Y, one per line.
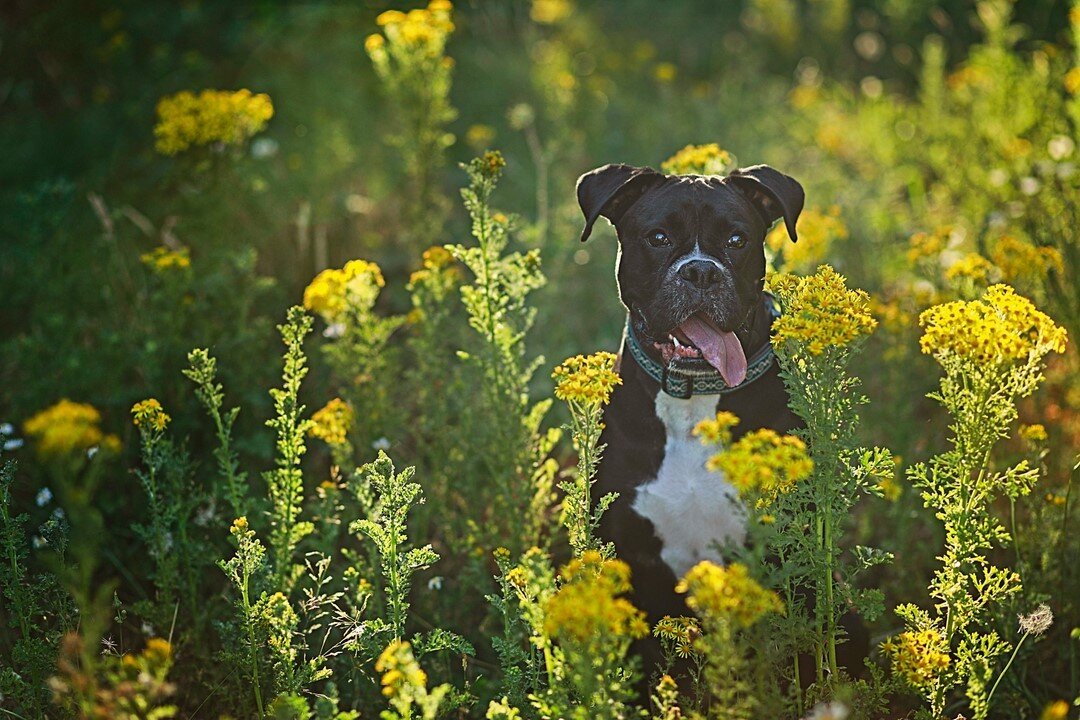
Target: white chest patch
column 691, row 508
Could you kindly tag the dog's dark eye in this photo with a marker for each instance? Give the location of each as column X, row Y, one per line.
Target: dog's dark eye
column 736, row 241
column 658, row 238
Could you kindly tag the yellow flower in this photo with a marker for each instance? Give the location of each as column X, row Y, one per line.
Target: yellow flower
column 1023, row 262
column 679, row 631
column 764, row 464
column 390, row 17
column 817, row 230
column 890, row 489
column 492, row 163
column 424, row 30
column 332, row 422
column 1057, row 710
column 727, row 593
column 1055, row 499
column 162, row 259
column 550, row 12
column 587, row 608
column 1000, row 328
column 374, row 42
column 1034, row 433
column 239, row 526
column 1072, row 81
column 400, row 669
column 479, row 136
column 715, row 431
column 67, row 427
column 974, row 267
column 157, row 651
column 333, row 291
column 150, row 415
column 926, row 245
column 918, row 656
column 665, row 72
column 588, row 380
column 820, row 311
column 186, row 120
column 708, row 159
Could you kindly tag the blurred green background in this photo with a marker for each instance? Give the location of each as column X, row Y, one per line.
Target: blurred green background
column 931, row 130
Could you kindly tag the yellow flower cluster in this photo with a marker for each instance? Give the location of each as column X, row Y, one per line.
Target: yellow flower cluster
column 187, row 120
column 399, row 668
column 1072, row 81
column 435, row 262
column 149, row 415
column 820, row 311
column 588, row 608
column 154, row 659
column 974, row 267
column 162, row 259
column 424, row 29
column 550, row 12
column 334, row 290
column 1057, row 710
column 1000, row 328
column 492, row 163
column 1035, row 433
column 714, row 431
column 764, row 464
column 332, row 422
column 926, row 245
column 890, row 489
column 1023, row 262
column 817, row 229
column 680, row 632
column 708, row 159
column 68, row 427
column 588, row 380
column 918, row 656
column 727, row 593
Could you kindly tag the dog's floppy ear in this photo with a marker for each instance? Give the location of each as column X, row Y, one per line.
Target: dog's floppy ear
column 609, row 190
column 773, row 193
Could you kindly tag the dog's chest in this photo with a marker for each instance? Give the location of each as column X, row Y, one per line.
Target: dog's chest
column 691, row 508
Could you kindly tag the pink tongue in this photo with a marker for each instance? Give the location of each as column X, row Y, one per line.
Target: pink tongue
column 722, row 349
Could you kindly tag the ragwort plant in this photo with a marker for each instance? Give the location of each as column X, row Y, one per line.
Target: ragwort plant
column 202, row 370
column 992, row 352
column 814, row 481
column 285, row 484
column 359, row 351
column 590, row 627
column 416, row 75
column 514, row 449
column 171, row 500
column 585, row 384
column 36, row 608
column 729, row 602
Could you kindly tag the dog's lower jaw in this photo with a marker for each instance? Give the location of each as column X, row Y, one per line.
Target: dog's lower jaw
column 693, row 511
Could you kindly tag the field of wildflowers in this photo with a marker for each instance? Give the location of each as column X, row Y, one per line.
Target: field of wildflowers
column 302, row 368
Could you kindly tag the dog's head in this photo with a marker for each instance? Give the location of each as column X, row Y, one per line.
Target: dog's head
column 691, row 262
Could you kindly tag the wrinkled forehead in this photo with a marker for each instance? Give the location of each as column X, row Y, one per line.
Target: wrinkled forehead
column 692, row 201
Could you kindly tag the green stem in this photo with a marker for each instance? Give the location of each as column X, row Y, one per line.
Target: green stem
column 1006, row 668
column 830, row 603
column 819, row 623
column 251, row 644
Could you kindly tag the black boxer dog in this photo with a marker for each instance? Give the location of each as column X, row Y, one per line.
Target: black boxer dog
column 691, row 270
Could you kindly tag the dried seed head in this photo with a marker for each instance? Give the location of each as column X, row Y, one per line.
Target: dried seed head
column 1038, row 622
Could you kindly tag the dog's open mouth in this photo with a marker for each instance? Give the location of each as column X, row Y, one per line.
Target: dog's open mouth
column 698, row 337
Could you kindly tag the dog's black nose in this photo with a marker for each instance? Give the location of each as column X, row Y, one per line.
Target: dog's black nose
column 701, row 274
